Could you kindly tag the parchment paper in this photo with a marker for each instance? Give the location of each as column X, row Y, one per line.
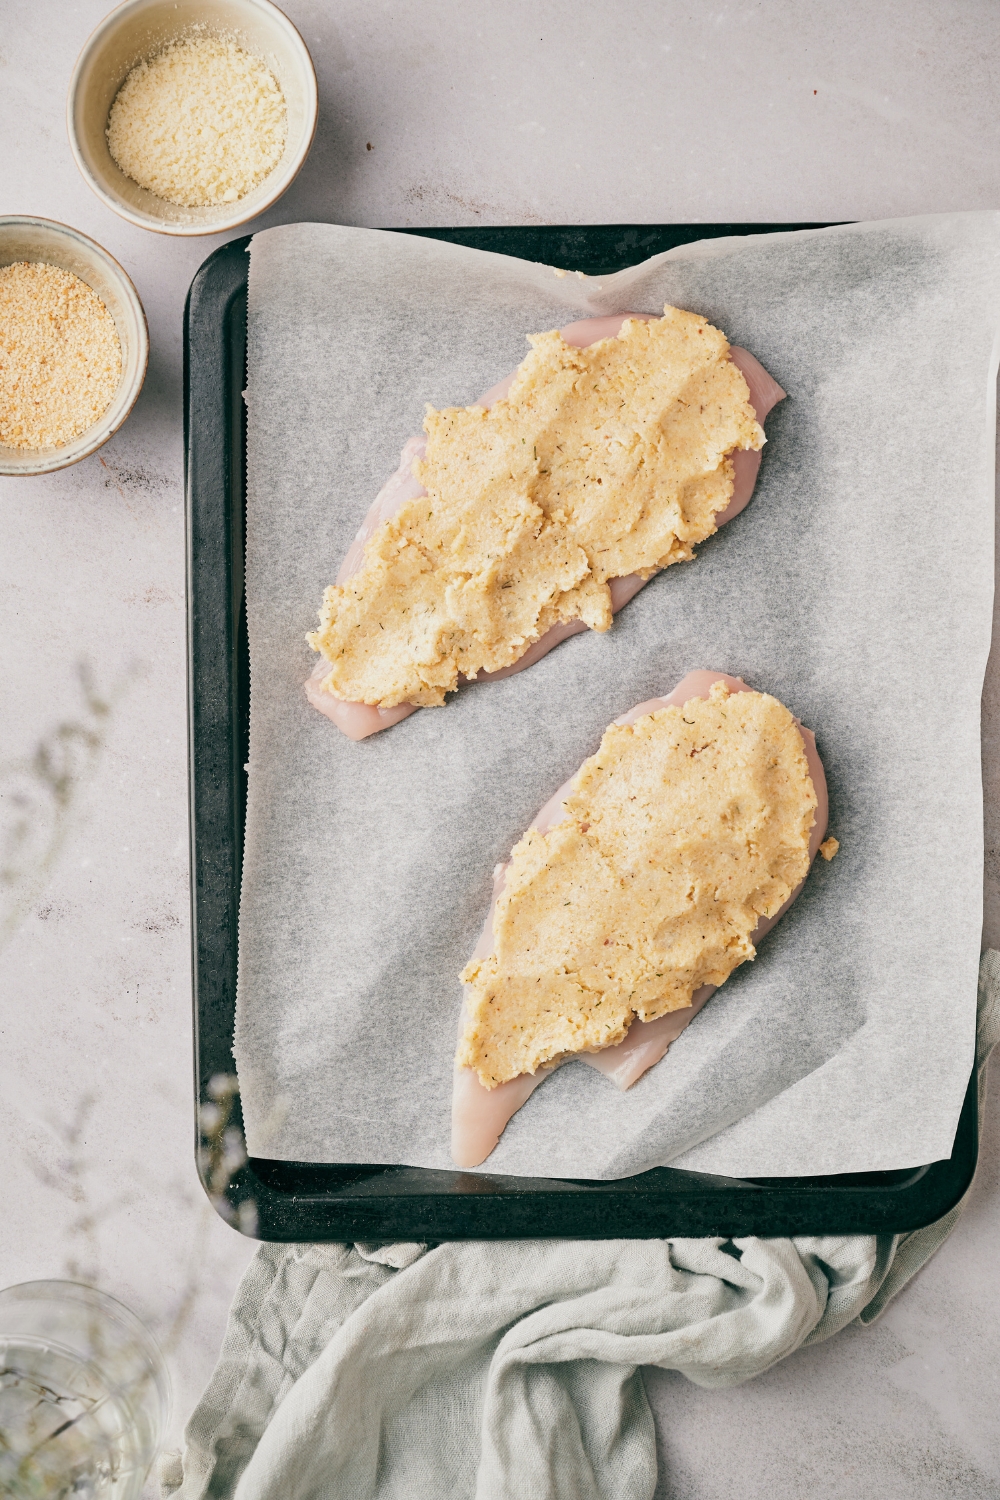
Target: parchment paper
column 857, row 587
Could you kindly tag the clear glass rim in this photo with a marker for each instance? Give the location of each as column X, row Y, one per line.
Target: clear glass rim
column 79, row 1294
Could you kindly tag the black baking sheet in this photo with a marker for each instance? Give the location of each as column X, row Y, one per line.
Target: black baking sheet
column 305, row 1201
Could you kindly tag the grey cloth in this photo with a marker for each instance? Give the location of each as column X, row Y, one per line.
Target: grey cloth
column 511, row 1371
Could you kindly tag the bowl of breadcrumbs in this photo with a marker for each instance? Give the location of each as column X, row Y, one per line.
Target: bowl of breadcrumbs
column 73, row 346
column 191, row 118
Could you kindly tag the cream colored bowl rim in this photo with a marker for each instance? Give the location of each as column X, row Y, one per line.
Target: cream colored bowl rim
column 284, row 176
column 96, row 436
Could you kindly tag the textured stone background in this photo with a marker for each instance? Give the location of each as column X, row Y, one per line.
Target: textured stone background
column 525, row 112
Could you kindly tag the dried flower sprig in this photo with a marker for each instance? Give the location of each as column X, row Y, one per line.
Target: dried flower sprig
column 223, row 1152
column 38, row 794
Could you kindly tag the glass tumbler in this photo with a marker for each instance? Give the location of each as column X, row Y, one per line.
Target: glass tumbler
column 84, row 1394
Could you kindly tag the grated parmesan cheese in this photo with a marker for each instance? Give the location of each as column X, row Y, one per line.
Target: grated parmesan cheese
column 60, row 358
column 201, row 122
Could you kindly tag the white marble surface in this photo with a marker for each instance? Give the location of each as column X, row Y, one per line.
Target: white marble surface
column 520, row 113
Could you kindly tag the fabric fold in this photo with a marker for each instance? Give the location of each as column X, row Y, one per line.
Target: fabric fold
column 511, row 1370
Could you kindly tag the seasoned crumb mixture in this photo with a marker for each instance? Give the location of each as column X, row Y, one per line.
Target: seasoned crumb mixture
column 201, row 122
column 60, row 358
column 684, row 829
column 599, row 462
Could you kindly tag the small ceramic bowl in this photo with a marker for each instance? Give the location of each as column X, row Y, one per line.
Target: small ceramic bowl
column 135, row 31
column 59, row 245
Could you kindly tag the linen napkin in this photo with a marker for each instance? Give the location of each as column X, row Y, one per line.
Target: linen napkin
column 511, row 1370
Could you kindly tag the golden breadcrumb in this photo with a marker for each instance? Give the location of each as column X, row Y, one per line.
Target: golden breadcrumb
column 60, row 358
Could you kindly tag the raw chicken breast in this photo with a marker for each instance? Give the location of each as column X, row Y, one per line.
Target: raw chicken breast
column 358, row 720
column 479, row 1115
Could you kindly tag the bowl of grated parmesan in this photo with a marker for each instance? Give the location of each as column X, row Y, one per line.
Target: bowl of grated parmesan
column 73, row 345
column 192, row 116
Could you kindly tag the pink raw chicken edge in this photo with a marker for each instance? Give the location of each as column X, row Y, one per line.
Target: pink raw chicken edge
column 358, row 720
column 480, row 1115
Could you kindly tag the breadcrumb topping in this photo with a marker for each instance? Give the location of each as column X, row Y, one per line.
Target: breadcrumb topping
column 599, row 463
column 685, row 828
